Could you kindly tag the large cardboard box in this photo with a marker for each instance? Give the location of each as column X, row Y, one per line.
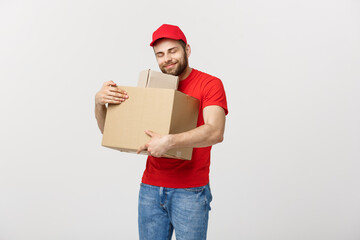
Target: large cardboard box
column 164, row 111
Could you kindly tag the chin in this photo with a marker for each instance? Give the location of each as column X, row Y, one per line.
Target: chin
column 171, row 72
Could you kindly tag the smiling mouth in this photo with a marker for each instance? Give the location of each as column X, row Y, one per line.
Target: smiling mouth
column 170, row 66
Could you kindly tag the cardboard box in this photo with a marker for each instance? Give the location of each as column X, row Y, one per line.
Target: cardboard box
column 164, row 111
column 152, row 79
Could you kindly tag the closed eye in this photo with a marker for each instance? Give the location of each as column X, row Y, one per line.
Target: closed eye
column 173, row 50
column 160, row 54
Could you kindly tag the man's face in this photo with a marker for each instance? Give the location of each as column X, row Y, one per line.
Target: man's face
column 171, row 57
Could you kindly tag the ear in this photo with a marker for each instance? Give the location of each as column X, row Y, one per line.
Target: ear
column 188, row 50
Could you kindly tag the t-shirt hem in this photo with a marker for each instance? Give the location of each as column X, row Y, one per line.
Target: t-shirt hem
column 175, row 185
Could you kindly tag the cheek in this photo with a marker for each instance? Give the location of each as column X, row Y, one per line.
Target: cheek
column 159, row 61
column 180, row 57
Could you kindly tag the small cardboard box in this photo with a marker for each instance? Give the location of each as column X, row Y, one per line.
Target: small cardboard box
column 164, row 111
column 152, row 79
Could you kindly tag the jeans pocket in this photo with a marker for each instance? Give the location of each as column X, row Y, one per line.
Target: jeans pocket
column 195, row 189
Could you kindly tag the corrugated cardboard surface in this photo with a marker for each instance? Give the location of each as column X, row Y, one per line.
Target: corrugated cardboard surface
column 163, row 111
column 184, row 116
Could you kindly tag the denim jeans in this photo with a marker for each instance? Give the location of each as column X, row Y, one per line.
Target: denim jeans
column 162, row 210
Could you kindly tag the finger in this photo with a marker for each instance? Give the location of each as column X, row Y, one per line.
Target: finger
column 118, row 95
column 111, row 98
column 149, row 133
column 116, row 89
column 114, row 99
column 109, row 83
column 150, row 152
column 142, row 148
column 153, row 153
column 113, row 102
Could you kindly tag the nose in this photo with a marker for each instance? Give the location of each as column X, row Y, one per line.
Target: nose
column 168, row 57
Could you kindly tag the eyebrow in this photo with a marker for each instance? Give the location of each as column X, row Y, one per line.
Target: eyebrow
column 167, row 50
column 172, row 48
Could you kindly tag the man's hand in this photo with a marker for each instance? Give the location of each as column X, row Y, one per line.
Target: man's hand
column 203, row 136
column 157, row 146
column 109, row 93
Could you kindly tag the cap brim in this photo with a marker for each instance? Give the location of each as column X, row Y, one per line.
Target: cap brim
column 153, row 42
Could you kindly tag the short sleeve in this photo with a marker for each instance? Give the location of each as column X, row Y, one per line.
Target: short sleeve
column 214, row 94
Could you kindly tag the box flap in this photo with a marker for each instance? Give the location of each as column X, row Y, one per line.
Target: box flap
column 143, row 78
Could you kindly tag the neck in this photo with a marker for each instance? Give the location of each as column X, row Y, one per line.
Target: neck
column 185, row 73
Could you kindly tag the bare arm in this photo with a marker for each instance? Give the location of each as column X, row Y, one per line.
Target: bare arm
column 100, row 114
column 108, row 93
column 206, row 135
column 203, row 136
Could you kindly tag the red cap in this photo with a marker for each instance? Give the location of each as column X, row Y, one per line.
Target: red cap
column 168, row 31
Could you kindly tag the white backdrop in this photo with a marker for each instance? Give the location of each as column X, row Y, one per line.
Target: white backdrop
column 288, row 167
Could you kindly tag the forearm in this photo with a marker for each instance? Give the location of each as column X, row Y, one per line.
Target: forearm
column 202, row 136
column 100, row 114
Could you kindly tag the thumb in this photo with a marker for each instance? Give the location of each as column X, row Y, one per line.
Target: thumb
column 149, row 133
column 140, row 149
column 111, row 83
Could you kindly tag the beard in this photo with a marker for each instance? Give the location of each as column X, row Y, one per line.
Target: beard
column 179, row 67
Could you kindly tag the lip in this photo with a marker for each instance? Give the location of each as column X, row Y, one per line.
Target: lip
column 170, row 66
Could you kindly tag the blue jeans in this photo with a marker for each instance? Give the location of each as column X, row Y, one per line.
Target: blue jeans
column 161, row 210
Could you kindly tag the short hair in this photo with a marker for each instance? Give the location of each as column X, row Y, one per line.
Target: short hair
column 183, row 44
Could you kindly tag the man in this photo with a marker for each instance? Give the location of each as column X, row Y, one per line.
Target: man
column 175, row 194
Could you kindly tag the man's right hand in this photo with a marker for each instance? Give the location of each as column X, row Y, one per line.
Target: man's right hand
column 109, row 93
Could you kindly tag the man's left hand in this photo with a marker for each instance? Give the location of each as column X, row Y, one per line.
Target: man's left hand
column 158, row 144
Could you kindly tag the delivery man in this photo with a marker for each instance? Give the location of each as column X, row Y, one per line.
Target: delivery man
column 175, row 194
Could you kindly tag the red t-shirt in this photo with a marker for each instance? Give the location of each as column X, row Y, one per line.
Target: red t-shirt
column 176, row 173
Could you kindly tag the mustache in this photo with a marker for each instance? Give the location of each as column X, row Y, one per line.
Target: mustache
column 169, row 63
